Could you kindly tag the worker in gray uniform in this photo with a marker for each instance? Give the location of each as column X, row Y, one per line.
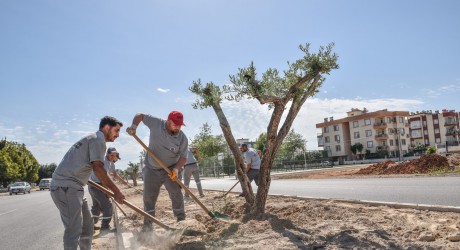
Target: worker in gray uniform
column 169, row 144
column 191, row 168
column 72, row 174
column 101, row 202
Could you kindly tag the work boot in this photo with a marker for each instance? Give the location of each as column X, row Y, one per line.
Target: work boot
column 180, row 219
column 201, row 195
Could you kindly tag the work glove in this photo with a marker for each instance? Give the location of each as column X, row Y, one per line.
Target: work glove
column 174, row 173
column 131, row 130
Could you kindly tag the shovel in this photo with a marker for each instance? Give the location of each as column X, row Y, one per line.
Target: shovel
column 212, row 214
column 129, row 204
column 230, row 189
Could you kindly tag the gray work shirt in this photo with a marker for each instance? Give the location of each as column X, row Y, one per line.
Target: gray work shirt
column 252, row 157
column 109, row 166
column 168, row 148
column 190, row 158
column 75, row 168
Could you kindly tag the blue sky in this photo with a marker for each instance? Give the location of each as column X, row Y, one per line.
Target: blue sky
column 66, row 64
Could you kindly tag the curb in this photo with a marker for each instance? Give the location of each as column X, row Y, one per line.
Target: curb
column 435, row 208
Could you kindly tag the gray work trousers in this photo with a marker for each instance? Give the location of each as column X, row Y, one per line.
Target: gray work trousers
column 153, row 180
column 190, row 170
column 101, row 203
column 253, row 174
column 75, row 215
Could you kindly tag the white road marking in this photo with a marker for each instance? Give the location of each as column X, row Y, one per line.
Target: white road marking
column 8, row 212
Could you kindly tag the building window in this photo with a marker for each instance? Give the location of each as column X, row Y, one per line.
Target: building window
column 337, row 148
column 415, row 124
column 356, row 135
column 427, row 142
column 403, row 141
column 436, row 130
column 355, row 124
column 327, row 139
column 438, row 140
column 401, row 119
column 337, row 138
column 370, row 144
column 424, row 123
column 416, row 133
column 326, row 129
column 336, row 128
column 368, row 133
column 436, row 121
column 367, row 122
column 425, row 132
column 391, row 142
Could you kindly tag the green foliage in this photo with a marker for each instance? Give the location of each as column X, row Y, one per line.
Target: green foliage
column 293, row 144
column 16, row 163
column 260, row 142
column 208, row 145
column 46, row 171
column 133, row 171
column 420, row 147
column 431, row 150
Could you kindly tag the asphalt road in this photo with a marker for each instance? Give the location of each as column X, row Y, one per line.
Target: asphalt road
column 30, row 221
column 444, row 191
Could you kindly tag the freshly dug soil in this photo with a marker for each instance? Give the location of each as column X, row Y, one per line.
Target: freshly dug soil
column 293, row 223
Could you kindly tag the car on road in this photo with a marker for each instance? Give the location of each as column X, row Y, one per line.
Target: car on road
column 20, row 187
column 44, row 183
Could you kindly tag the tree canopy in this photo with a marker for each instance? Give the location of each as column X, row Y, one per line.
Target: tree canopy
column 282, row 93
column 16, row 163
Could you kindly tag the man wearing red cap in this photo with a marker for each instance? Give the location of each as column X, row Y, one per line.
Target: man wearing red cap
column 170, row 145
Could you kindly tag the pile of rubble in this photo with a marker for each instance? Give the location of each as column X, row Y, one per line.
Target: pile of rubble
column 425, row 164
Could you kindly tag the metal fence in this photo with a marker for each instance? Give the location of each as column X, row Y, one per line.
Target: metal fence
column 213, row 167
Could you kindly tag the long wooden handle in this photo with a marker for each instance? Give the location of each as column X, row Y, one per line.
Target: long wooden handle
column 231, row 188
column 127, row 203
column 169, row 172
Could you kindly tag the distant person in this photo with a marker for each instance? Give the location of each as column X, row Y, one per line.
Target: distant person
column 72, row 174
column 101, row 202
column 259, row 153
column 252, row 162
column 170, row 145
column 191, row 168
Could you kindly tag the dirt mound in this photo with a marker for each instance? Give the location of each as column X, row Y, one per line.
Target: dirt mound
column 454, row 160
column 425, row 164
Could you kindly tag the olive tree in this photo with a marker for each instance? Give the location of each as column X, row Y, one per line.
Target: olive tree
column 282, row 93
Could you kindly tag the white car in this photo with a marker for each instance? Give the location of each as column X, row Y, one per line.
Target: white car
column 20, row 187
column 44, row 183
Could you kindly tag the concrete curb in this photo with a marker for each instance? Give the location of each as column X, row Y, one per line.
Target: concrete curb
column 435, row 208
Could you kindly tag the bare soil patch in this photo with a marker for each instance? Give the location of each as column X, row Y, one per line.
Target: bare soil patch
column 291, row 223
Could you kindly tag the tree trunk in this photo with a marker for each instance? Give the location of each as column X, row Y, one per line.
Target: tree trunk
column 226, row 130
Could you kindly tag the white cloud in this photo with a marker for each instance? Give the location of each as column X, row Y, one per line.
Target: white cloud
column 163, row 90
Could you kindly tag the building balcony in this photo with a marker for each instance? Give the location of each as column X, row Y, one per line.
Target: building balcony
column 381, row 137
column 450, row 123
column 380, row 125
column 382, row 147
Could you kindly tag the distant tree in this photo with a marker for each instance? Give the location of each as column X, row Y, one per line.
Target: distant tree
column 133, row 172
column 46, row 171
column 293, row 144
column 208, row 144
column 431, row 150
column 16, row 163
column 353, row 150
column 359, row 147
column 260, row 142
column 288, row 93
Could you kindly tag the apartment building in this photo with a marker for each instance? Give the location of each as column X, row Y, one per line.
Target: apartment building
column 381, row 130
column 438, row 128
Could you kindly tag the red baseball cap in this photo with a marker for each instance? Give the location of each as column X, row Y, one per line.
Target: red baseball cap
column 176, row 117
